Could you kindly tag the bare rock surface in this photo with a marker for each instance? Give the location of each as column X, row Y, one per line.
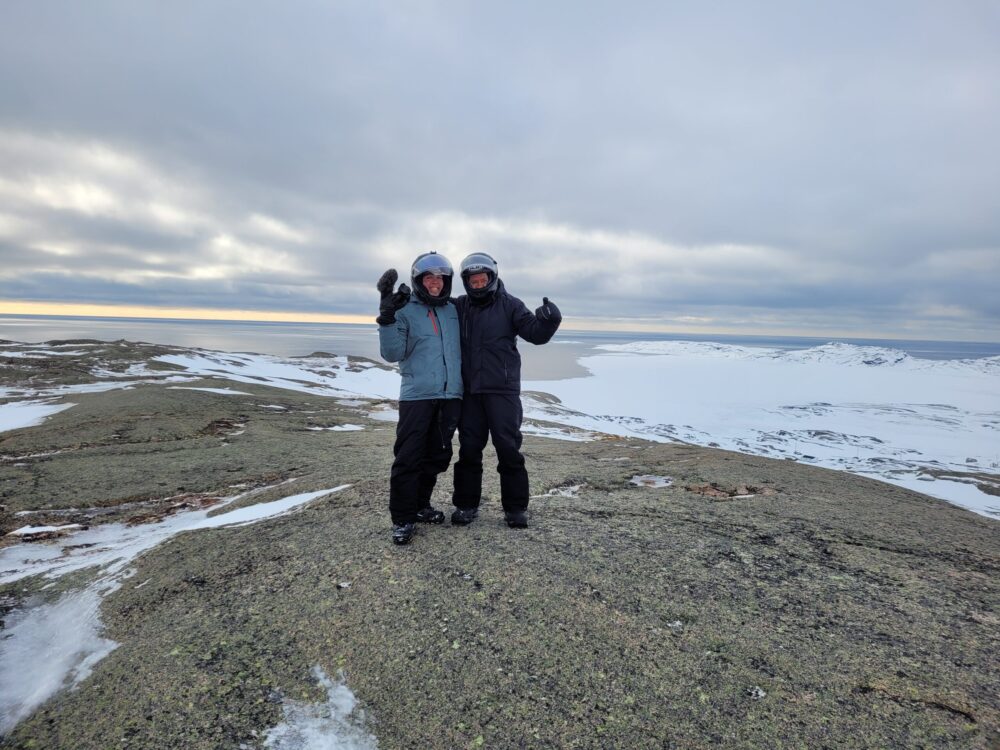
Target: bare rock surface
column 749, row 603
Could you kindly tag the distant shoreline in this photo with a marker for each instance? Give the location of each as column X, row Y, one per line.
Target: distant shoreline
column 295, row 339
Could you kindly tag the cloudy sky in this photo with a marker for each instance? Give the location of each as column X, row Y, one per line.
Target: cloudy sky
column 782, row 167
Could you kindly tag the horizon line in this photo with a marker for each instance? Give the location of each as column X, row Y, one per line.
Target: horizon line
column 13, row 308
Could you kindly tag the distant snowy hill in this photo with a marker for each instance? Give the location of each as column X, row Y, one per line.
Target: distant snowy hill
column 847, row 355
column 931, row 425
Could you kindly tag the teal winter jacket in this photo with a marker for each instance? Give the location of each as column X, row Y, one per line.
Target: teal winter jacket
column 425, row 341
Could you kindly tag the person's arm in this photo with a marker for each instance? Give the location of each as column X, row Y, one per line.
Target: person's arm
column 539, row 327
column 392, row 339
column 392, row 332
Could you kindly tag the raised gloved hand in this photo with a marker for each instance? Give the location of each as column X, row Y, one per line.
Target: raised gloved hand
column 390, row 301
column 548, row 311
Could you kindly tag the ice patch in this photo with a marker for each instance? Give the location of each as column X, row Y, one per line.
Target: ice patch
column 336, row 724
column 327, row 376
column 34, row 530
column 38, row 353
column 571, row 490
column 650, row 480
column 260, row 511
column 19, row 414
column 48, row 647
column 338, row 428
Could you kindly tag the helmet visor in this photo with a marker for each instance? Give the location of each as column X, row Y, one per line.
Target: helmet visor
column 431, row 263
column 479, row 263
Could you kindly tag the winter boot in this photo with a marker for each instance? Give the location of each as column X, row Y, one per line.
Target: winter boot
column 430, row 514
column 403, row 533
column 464, row 516
column 516, row 519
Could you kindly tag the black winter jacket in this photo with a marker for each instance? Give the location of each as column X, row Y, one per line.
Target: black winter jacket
column 491, row 362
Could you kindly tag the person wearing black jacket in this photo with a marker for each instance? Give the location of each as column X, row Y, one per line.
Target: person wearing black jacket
column 491, row 320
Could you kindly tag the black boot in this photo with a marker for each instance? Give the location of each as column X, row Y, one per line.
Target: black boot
column 430, row 514
column 464, row 516
column 403, row 533
column 516, row 519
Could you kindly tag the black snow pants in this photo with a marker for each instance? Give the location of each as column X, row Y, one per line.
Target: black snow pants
column 422, row 451
column 495, row 415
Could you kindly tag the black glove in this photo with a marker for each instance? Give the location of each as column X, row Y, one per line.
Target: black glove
column 548, row 311
column 390, row 302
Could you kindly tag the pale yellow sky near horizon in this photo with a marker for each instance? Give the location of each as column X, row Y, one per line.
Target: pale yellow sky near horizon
column 15, row 307
column 18, row 307
column 700, row 327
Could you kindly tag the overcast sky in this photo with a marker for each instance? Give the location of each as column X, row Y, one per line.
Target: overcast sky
column 785, row 167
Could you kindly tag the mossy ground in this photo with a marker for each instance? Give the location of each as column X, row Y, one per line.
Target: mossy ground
column 832, row 611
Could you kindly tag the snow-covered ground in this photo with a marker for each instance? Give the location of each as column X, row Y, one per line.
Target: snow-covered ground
column 922, row 424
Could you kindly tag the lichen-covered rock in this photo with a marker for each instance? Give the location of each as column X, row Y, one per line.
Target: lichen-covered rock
column 824, row 610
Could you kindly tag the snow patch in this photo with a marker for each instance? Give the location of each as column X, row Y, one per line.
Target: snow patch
column 38, row 353
column 328, row 376
column 37, row 530
column 336, row 724
column 48, row 647
column 19, row 414
column 570, row 490
column 651, row 480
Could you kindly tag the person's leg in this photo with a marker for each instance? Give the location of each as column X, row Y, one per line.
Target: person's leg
column 437, row 455
column 473, row 432
column 415, row 418
column 504, row 415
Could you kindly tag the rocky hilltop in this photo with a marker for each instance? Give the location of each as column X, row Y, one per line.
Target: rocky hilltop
column 665, row 596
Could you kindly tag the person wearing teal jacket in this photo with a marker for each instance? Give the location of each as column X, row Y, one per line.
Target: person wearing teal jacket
column 420, row 331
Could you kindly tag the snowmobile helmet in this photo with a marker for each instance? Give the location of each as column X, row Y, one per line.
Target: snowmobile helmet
column 480, row 263
column 434, row 264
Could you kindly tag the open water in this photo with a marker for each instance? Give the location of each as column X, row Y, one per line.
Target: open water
column 557, row 360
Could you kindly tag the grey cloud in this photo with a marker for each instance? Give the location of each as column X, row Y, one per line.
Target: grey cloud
column 856, row 141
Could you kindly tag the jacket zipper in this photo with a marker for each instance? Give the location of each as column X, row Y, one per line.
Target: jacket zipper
column 434, row 322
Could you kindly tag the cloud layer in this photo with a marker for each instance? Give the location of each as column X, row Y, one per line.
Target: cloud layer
column 777, row 168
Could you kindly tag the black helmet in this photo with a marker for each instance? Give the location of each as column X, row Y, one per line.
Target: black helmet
column 434, row 264
column 480, row 263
